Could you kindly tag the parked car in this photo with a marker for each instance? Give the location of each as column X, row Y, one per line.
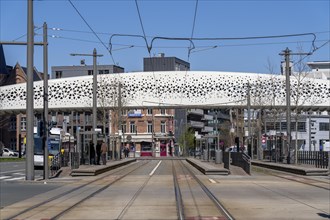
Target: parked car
column 8, row 152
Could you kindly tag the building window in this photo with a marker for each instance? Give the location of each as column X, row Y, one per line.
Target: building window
column 150, row 130
column 23, row 123
column 149, row 111
column 163, row 127
column 90, row 72
column 124, row 112
column 301, row 126
column 324, row 126
column 12, row 124
column 106, row 71
column 163, row 111
column 58, row 74
column 132, row 127
column 88, row 118
column 123, row 127
column 101, row 72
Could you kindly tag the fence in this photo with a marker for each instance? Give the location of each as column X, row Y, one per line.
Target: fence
column 242, row 160
column 63, row 160
column 318, row 158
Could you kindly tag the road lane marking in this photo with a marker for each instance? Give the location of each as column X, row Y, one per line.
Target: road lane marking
column 4, row 177
column 152, row 172
column 11, row 171
column 212, row 181
column 20, row 174
column 17, row 178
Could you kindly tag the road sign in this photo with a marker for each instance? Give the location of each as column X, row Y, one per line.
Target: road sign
column 129, row 137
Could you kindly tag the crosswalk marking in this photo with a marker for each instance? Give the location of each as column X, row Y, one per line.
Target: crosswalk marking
column 212, row 181
column 17, row 178
column 4, row 177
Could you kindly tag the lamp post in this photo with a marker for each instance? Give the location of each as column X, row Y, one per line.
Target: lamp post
column 94, row 55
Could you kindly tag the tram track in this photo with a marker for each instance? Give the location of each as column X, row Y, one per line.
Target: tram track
column 190, row 179
column 136, row 194
column 44, row 206
column 298, row 178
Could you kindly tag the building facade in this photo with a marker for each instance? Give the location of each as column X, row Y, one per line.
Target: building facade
column 83, row 70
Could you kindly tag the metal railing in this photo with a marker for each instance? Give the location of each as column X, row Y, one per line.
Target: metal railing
column 242, row 160
column 318, row 158
column 63, row 160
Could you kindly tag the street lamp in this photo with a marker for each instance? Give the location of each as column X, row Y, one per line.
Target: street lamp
column 94, row 55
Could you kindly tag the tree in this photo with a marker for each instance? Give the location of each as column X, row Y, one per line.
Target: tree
column 186, row 140
column 108, row 102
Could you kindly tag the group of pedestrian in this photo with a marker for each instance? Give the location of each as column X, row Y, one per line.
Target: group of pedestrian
column 101, row 151
column 126, row 152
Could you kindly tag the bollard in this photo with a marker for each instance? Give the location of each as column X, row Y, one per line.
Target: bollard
column 205, row 155
column 218, row 156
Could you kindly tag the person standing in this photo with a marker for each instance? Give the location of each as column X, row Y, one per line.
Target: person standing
column 91, row 153
column 104, row 153
column 98, row 153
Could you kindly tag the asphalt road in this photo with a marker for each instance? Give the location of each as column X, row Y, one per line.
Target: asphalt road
column 13, row 188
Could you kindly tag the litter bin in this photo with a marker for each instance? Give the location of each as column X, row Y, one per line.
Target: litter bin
column 205, row 155
column 218, row 156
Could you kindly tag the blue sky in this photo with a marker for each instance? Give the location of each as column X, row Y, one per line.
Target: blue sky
column 171, row 18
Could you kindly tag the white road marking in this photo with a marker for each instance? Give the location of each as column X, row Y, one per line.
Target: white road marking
column 11, row 171
column 21, row 174
column 4, row 177
column 152, row 172
column 212, row 181
column 17, row 178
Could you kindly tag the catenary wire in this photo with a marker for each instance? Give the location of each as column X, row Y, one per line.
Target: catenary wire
column 202, row 47
column 91, row 29
column 149, row 49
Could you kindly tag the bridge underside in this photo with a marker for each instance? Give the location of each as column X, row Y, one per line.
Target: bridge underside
column 177, row 89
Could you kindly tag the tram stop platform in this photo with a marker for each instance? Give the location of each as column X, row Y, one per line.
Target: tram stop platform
column 300, row 169
column 208, row 168
column 93, row 170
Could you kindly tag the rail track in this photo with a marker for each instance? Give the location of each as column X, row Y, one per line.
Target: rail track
column 298, row 178
column 44, row 208
column 193, row 202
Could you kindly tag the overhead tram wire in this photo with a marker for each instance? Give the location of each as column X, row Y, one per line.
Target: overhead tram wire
column 311, row 52
column 104, row 33
column 191, row 47
column 91, row 29
column 202, row 48
column 149, row 49
column 35, row 29
column 114, row 63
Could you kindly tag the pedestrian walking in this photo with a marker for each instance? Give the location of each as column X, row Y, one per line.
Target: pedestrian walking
column 104, row 153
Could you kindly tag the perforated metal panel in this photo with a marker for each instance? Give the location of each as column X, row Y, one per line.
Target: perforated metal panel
column 170, row 89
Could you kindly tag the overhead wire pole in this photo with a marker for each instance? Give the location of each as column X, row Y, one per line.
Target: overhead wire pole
column 30, row 159
column 250, row 150
column 45, row 119
column 287, row 53
column 94, row 55
column 119, row 121
column 29, row 96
